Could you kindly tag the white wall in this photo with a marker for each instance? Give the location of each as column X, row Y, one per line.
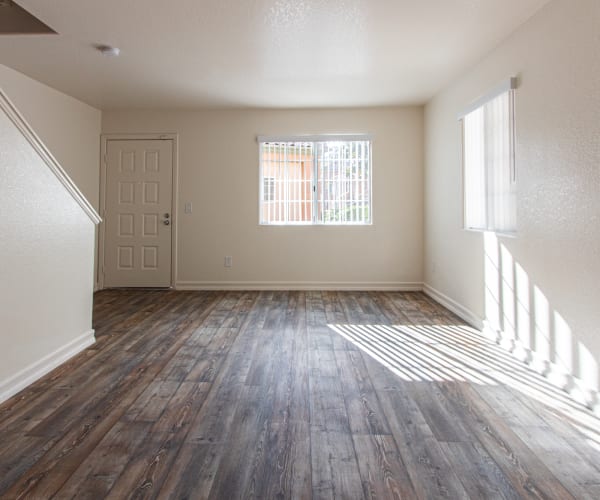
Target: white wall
column 47, row 258
column 69, row 128
column 556, row 257
column 218, row 173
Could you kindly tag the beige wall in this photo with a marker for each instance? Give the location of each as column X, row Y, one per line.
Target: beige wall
column 554, row 307
column 218, row 173
column 47, row 258
column 69, row 128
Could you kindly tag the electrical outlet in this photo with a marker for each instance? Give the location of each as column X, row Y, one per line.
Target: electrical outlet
column 188, row 207
column 228, row 261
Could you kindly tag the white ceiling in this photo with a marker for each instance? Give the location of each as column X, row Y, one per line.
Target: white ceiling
column 259, row 53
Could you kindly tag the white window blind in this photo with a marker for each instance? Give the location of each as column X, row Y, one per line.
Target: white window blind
column 488, row 165
column 315, row 182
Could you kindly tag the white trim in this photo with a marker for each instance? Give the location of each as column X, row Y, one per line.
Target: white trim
column 301, row 285
column 104, row 138
column 314, row 138
column 557, row 375
column 504, row 86
column 554, row 373
column 138, row 136
column 12, row 385
column 19, row 121
column 461, row 311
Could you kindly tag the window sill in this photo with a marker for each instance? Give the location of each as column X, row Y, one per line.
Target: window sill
column 504, row 234
column 308, row 224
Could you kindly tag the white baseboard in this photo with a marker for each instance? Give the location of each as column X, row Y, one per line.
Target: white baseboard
column 10, row 386
column 301, row 285
column 554, row 373
column 461, row 311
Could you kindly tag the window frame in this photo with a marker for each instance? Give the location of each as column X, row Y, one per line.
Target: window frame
column 314, row 139
column 508, row 86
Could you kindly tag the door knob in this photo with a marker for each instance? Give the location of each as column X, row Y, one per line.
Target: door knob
column 166, row 222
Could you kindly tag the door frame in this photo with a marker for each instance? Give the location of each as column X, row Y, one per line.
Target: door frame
column 104, row 138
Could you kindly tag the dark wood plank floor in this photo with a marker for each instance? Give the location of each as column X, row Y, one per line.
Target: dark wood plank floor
column 292, row 395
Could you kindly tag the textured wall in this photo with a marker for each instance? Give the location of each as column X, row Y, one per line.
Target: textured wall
column 46, row 259
column 218, row 173
column 542, row 287
column 69, row 128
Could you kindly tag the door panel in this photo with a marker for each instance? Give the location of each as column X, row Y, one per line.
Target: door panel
column 138, row 214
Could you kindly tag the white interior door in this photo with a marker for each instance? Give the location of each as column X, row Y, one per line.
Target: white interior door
column 138, row 213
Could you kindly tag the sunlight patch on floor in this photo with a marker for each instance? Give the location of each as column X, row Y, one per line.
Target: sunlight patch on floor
column 446, row 353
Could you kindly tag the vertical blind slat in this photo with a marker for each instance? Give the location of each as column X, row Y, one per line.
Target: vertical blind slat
column 489, row 185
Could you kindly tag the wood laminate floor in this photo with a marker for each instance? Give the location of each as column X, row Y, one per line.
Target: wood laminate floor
column 292, row 395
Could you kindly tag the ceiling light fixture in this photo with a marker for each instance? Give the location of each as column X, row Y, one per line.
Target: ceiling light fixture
column 108, row 51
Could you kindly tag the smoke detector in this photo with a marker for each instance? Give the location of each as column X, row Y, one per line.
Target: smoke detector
column 108, row 51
